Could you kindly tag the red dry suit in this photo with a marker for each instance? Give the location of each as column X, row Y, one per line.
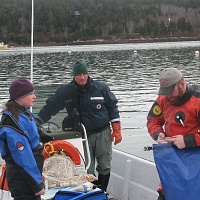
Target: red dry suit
column 180, row 119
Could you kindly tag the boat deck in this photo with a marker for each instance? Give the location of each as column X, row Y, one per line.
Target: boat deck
column 112, row 198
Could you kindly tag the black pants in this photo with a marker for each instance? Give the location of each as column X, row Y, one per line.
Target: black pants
column 161, row 196
column 18, row 187
column 17, row 179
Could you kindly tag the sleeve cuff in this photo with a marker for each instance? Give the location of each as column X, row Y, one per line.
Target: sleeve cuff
column 156, row 134
column 190, row 141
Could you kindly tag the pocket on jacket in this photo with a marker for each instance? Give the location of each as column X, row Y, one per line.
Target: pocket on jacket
column 97, row 103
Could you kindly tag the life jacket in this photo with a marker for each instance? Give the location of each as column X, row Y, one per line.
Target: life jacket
column 13, row 124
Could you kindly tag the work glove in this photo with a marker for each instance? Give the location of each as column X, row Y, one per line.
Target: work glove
column 116, row 134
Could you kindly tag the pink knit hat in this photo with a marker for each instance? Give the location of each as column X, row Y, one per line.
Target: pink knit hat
column 20, row 87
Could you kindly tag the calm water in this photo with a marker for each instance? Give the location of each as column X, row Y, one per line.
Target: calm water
column 133, row 77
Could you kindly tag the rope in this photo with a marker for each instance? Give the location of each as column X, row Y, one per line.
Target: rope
column 53, row 152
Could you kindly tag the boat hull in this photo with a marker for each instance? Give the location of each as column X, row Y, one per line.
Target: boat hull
column 132, row 177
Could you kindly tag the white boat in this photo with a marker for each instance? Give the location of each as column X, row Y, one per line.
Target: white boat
column 132, row 178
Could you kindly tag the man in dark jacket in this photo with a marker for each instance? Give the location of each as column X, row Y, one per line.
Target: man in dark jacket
column 91, row 103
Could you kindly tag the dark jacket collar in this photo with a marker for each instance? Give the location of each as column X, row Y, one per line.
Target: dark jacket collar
column 186, row 96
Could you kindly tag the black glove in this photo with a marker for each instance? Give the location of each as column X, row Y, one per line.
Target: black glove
column 67, row 123
column 43, row 137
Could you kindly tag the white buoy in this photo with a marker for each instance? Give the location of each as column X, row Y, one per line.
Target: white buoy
column 135, row 51
column 197, row 52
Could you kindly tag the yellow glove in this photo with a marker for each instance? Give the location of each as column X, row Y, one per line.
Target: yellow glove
column 116, row 134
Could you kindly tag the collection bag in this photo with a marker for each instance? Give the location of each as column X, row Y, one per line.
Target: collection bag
column 65, row 194
column 179, row 171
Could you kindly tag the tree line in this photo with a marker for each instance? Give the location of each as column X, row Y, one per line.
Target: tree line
column 67, row 21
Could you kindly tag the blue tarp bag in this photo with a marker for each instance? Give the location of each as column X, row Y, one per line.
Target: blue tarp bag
column 65, row 194
column 179, row 171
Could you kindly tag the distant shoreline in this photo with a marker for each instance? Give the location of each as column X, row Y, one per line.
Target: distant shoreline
column 140, row 40
column 116, row 41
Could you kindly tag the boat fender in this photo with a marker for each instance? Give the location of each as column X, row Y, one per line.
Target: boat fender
column 61, row 147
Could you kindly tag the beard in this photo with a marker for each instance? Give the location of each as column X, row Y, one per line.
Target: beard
column 175, row 100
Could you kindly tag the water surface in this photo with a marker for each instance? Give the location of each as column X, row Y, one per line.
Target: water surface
column 131, row 71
